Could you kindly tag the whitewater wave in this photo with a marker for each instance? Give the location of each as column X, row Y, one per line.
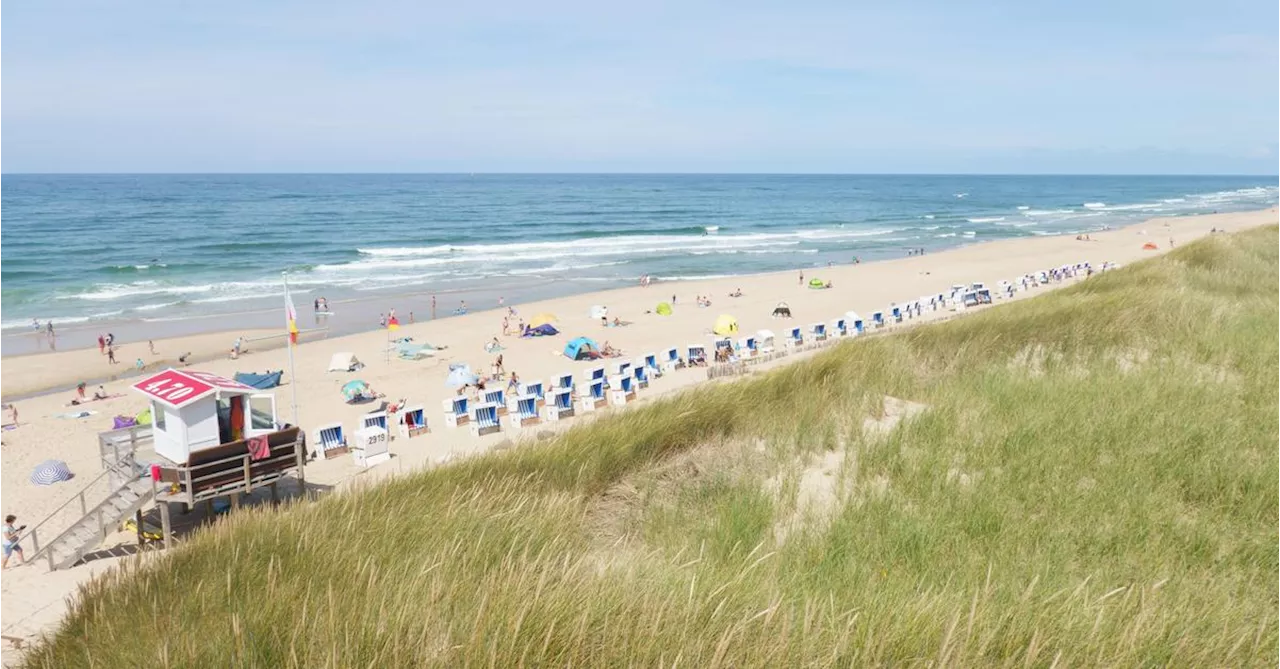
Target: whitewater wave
column 1094, row 205
column 986, row 219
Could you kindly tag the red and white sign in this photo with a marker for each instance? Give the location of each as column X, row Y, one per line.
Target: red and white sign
column 181, row 388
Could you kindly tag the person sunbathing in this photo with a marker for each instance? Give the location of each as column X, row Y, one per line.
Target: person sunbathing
column 736, row 293
column 100, row 393
column 610, row 352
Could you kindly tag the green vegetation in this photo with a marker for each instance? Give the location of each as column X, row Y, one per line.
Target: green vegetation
column 1091, row 481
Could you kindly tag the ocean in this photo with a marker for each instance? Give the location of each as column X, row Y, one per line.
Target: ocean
column 185, row 253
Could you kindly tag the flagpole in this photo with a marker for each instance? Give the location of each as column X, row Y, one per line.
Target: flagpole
column 293, row 378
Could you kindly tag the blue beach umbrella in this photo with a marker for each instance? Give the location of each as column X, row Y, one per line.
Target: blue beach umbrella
column 50, row 472
column 354, row 389
column 460, row 376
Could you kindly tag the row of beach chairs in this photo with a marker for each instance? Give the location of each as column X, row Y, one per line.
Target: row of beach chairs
column 536, row 402
column 616, row 385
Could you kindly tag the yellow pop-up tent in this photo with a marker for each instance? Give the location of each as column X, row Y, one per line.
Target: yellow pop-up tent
column 664, row 309
column 725, row 325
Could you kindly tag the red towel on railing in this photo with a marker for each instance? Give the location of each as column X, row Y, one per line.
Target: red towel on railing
column 259, row 449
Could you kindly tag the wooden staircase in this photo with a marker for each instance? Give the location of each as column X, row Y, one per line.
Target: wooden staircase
column 122, row 501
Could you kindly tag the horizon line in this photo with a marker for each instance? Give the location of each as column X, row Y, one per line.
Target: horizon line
column 623, row 173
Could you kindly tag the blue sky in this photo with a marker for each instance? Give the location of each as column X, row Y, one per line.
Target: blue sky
column 1006, row 87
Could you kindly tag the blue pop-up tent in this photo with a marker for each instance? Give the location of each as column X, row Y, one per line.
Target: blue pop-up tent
column 582, row 348
column 544, row 330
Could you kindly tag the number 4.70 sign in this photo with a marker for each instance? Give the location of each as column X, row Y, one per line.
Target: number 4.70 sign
column 174, row 388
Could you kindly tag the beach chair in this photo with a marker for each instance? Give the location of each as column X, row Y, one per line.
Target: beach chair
column 592, row 396
column 640, row 375
column 526, row 411
column 671, row 360
column 595, row 374
column 559, row 404
column 747, row 347
column 413, row 422
column 723, row 348
column 895, row 312
column 854, row 323
column 484, row 419
column 621, row 390
column 456, row 411
column 620, row 368
column 563, row 381
column 795, row 338
column 764, row 341
column 535, row 389
column 650, row 360
column 697, row 355
column 330, row 441
column 374, row 419
column 969, row 299
column 840, row 327
column 371, row 447
column 498, row 398
column 818, row 331
column 877, row 319
column 984, row 296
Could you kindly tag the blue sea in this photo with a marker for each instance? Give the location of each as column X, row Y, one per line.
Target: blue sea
column 96, row 251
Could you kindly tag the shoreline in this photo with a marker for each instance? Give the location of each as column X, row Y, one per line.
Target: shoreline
column 36, row 600
column 212, row 345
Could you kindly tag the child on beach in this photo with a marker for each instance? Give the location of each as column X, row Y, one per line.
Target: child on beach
column 102, row 345
column 111, row 354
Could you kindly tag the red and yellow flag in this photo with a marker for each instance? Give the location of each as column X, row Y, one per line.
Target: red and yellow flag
column 291, row 315
column 393, row 323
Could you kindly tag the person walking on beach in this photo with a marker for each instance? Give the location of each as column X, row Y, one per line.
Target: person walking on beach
column 102, row 345
column 111, row 354
column 802, row 277
column 410, row 317
column 151, row 345
column 11, row 541
column 502, row 301
column 433, row 307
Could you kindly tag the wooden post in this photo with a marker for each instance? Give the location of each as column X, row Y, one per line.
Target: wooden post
column 84, row 509
column 137, row 519
column 274, row 498
column 248, row 475
column 102, row 524
column 165, row 527
column 35, row 542
column 235, row 500
column 300, row 453
column 208, row 507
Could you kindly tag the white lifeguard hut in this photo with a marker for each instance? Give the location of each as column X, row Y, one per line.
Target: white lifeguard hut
column 192, row 411
column 215, row 437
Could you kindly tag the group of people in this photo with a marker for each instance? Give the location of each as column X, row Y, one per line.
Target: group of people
column 107, row 346
column 915, row 252
column 705, row 301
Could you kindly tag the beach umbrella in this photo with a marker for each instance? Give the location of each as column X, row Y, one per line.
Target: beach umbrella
column 50, row 472
column 542, row 319
column 725, row 325
column 354, row 389
column 460, row 376
column 598, row 312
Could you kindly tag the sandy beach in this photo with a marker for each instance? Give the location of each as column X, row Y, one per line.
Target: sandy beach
column 32, row 597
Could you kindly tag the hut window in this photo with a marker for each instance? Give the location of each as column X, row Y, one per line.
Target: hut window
column 157, row 416
column 262, row 413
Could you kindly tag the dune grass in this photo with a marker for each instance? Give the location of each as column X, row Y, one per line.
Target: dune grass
column 1093, row 482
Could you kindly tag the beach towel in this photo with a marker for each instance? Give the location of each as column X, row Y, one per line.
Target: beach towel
column 259, row 449
column 121, row 422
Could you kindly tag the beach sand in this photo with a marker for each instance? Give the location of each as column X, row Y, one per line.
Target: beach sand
column 32, row 598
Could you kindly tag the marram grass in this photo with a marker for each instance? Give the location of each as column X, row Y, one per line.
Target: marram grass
column 1093, row 482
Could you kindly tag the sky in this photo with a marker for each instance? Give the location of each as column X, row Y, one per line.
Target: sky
column 1004, row 86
